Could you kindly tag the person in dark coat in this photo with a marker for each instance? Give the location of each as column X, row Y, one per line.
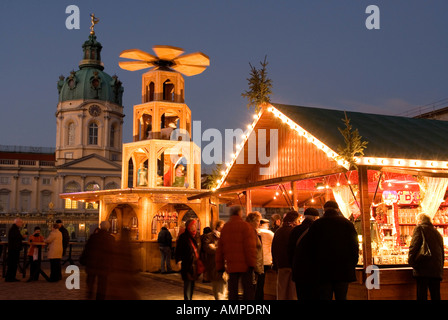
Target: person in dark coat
column 428, row 271
column 98, row 256
column 276, row 221
column 285, row 286
column 210, row 244
column 187, row 253
column 165, row 242
column 206, row 275
column 332, row 249
column 301, row 270
column 65, row 236
column 15, row 239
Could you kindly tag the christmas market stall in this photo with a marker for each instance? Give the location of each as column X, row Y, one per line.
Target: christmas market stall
column 382, row 171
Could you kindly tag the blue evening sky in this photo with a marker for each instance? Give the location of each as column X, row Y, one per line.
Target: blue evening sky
column 320, row 54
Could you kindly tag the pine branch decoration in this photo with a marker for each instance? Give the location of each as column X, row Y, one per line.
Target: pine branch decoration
column 354, row 146
column 210, row 180
column 260, row 86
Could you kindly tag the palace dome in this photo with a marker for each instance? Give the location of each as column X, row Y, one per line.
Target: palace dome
column 90, row 82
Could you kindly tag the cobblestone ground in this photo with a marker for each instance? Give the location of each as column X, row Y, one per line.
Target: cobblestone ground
column 152, row 287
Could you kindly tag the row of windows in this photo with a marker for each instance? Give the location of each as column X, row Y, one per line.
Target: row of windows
column 24, row 181
column 73, row 205
column 74, row 186
column 93, row 134
column 24, row 201
column 46, row 199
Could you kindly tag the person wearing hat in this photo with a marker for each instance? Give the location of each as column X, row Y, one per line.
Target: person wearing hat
column 65, row 236
column 266, row 239
column 332, row 205
column 332, row 249
column 33, row 255
column 285, row 286
column 300, row 271
column 276, row 221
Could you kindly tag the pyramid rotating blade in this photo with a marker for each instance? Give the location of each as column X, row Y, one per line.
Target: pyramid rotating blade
column 189, row 70
column 167, row 52
column 193, row 59
column 137, row 54
column 134, row 65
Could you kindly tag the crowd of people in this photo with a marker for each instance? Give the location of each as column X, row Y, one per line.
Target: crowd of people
column 57, row 243
column 314, row 259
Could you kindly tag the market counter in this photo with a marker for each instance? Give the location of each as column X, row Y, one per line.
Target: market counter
column 396, row 283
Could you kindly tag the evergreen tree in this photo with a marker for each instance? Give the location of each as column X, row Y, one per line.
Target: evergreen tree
column 260, row 86
column 354, row 146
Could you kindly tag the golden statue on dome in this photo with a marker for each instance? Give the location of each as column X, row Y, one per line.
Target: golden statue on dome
column 94, row 20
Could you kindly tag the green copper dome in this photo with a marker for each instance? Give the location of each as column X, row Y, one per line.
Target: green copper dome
column 90, row 81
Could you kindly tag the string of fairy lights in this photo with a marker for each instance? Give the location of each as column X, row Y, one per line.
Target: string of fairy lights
column 427, row 164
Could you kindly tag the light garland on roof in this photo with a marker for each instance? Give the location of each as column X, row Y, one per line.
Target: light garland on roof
column 433, row 164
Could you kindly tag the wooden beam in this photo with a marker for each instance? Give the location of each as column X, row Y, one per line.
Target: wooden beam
column 248, row 201
column 365, row 217
column 273, row 181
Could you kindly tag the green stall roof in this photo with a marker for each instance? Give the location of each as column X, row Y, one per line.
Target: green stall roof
column 388, row 136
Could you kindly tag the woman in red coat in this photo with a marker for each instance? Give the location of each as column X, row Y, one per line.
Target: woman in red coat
column 33, row 254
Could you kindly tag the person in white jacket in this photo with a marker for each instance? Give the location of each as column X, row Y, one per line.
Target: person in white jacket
column 55, row 249
column 266, row 239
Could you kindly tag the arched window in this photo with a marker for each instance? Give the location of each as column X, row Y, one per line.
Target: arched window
column 25, row 200
column 4, row 200
column 70, row 188
column 168, row 90
column 45, row 200
column 113, row 132
column 71, row 134
column 92, row 186
column 93, row 133
column 151, row 91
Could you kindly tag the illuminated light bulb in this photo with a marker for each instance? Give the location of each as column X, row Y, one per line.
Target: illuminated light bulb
column 255, row 116
column 312, row 200
column 218, row 181
column 349, row 182
column 338, row 184
column 276, row 193
column 327, row 186
column 406, row 186
column 290, row 192
column 223, row 172
column 228, row 164
column 389, row 184
column 213, row 189
column 249, row 126
column 233, row 155
column 275, row 198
